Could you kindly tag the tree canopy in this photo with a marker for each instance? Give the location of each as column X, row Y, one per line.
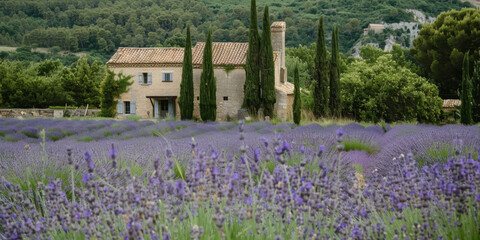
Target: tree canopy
column 441, row 46
column 383, row 89
column 105, row 25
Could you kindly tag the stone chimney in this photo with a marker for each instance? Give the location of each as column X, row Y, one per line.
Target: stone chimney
column 278, row 45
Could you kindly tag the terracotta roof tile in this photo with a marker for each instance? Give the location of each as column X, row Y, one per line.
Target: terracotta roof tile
column 147, row 56
column 286, row 87
column 224, row 53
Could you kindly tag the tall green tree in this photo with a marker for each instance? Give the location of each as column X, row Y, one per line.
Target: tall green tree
column 267, row 71
column 334, row 103
column 82, row 82
column 112, row 89
column 208, row 86
column 466, row 95
column 320, row 91
column 476, row 92
column 297, row 101
column 252, row 86
column 441, row 45
column 186, row 87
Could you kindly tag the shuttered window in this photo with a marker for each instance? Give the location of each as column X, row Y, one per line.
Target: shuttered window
column 145, row 78
column 132, row 108
column 167, row 77
column 120, row 107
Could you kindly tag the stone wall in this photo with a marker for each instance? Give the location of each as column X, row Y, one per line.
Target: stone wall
column 36, row 112
column 229, row 92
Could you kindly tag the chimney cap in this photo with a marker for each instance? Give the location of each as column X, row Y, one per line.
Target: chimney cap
column 278, row 26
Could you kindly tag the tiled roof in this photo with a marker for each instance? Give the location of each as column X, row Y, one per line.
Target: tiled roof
column 451, row 103
column 286, row 87
column 147, row 56
column 224, row 53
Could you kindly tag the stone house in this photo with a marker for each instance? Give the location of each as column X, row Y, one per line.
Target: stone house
column 158, row 73
column 376, row 28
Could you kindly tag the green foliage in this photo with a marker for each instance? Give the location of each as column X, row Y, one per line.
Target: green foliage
column 441, row 46
column 106, row 25
column 82, row 82
column 476, row 92
column 185, row 100
column 22, row 86
column 385, row 90
column 297, row 101
column 354, row 144
column 320, row 92
column 466, row 96
column 112, row 89
column 267, row 68
column 228, row 68
column 251, row 89
column 85, row 139
column 134, row 118
column 208, row 87
column 334, row 103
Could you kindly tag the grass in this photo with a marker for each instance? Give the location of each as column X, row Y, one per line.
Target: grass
column 107, row 133
column 180, row 127
column 54, row 138
column 11, row 139
column 30, row 135
column 2, row 134
column 117, row 125
column 85, row 139
column 225, row 128
column 30, row 179
column 354, row 144
column 134, row 118
column 161, row 132
column 358, row 168
column 441, row 151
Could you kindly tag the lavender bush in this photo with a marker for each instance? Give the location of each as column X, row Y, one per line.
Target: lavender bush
column 263, row 183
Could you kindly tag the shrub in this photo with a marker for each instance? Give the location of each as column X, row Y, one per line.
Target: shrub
column 383, row 89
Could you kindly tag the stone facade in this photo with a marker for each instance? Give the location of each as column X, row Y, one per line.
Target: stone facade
column 151, row 96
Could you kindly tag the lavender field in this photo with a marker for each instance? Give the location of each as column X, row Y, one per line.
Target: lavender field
column 108, row 179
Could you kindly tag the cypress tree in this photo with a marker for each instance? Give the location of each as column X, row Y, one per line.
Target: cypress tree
column 267, row 67
column 208, row 87
column 466, row 96
column 297, row 101
column 251, row 88
column 186, row 87
column 476, row 92
column 334, row 103
column 320, row 91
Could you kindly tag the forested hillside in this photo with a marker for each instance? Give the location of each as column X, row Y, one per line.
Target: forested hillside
column 104, row 25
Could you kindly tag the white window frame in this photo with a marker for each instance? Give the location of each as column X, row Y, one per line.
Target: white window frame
column 164, row 74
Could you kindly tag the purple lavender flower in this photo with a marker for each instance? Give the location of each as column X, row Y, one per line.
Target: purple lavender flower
column 256, row 154
column 112, row 152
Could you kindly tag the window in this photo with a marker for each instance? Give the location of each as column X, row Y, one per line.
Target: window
column 145, row 78
column 127, row 107
column 225, row 98
column 198, row 98
column 167, row 77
